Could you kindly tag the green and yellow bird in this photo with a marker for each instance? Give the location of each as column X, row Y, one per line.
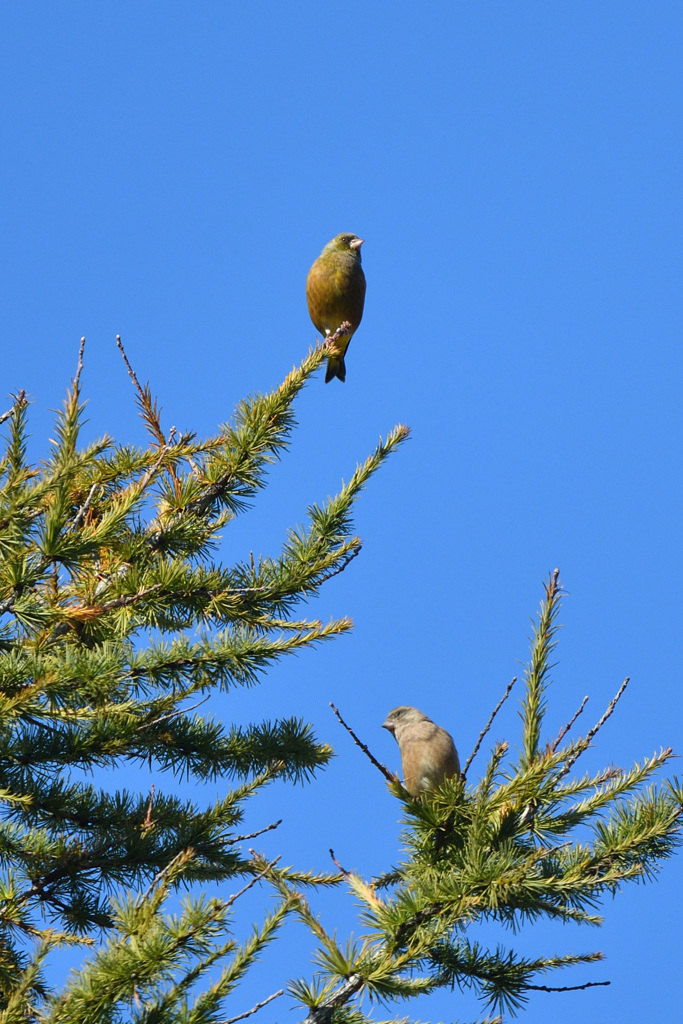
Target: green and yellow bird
column 335, row 292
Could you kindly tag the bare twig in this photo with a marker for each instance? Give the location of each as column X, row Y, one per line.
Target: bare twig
column 380, row 767
column 172, row 714
column 162, row 451
column 20, row 400
column 80, row 515
column 591, row 732
column 563, row 732
column 131, row 371
column 259, row 832
column 338, row 865
column 610, row 708
column 257, row 878
column 79, row 367
column 340, row 568
column 258, row 1006
column 343, row 329
column 488, row 725
column 181, row 857
column 567, row 988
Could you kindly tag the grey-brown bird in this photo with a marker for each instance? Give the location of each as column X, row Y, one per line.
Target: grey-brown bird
column 335, row 292
column 428, row 754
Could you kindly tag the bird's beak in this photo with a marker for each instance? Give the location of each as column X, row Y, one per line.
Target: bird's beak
column 356, row 243
column 388, row 725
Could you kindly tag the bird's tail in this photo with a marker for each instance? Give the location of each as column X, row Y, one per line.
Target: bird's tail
column 335, row 368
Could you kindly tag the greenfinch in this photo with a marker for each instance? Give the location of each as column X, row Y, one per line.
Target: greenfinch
column 335, row 292
column 428, row 754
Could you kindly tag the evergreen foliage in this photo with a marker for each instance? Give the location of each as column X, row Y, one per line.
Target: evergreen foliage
column 529, row 840
column 115, row 625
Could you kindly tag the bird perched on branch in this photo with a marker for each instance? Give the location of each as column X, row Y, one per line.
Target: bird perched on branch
column 428, row 754
column 335, row 292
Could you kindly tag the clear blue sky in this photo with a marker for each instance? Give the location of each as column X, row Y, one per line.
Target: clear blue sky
column 169, row 172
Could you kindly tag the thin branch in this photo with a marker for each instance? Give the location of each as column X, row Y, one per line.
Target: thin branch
column 258, row 1006
column 20, row 400
column 257, row 878
column 381, row 767
column 149, row 409
column 426, row 914
column 123, row 602
column 567, row 988
column 343, row 329
column 563, row 732
column 80, row 515
column 607, row 775
column 340, row 568
column 162, row 451
column 84, row 612
column 259, row 832
column 610, row 708
column 338, row 866
column 79, row 367
column 142, row 484
column 131, row 371
column 172, row 714
column 269, row 588
column 183, row 856
column 488, row 725
column 591, row 732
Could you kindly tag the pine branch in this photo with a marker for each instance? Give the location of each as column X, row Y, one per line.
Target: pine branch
column 568, row 988
column 18, row 403
column 366, row 750
column 563, row 732
column 491, row 854
column 537, row 671
column 79, row 367
column 256, row 1008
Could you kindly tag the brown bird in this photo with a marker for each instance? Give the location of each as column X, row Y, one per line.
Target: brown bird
column 335, row 292
column 428, row 754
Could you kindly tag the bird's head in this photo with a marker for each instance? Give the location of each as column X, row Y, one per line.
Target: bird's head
column 347, row 242
column 400, row 717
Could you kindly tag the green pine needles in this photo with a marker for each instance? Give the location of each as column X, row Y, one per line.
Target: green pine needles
column 530, row 840
column 116, row 624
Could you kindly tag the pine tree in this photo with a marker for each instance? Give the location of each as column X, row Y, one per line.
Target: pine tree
column 115, row 623
column 531, row 839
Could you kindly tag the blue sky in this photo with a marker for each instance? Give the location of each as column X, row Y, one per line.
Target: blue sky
column 169, row 172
